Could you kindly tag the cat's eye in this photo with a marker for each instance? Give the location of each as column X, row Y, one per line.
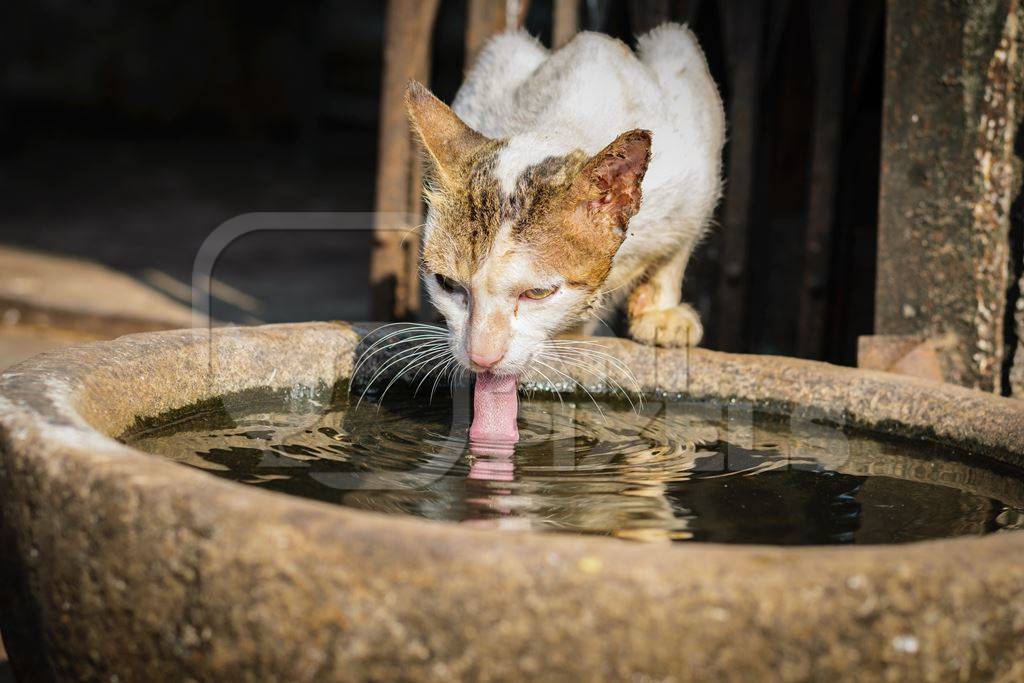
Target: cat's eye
column 448, row 284
column 539, row 293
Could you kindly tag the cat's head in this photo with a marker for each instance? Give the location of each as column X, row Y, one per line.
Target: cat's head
column 511, row 263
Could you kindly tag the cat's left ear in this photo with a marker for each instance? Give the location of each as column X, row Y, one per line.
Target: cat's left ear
column 612, row 179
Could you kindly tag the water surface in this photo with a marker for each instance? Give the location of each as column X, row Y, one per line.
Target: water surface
column 666, row 471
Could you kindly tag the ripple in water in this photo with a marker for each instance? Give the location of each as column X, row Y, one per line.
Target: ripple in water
column 670, row 471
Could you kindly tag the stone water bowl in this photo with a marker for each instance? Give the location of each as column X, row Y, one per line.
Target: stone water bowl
column 119, row 565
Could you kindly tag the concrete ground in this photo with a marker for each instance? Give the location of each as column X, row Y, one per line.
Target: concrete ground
column 50, row 302
column 20, row 342
column 145, row 208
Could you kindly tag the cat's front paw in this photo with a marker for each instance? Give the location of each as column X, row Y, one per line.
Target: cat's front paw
column 672, row 327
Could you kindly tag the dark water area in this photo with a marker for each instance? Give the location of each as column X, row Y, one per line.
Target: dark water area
column 665, row 471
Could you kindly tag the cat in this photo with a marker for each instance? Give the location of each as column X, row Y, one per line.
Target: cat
column 561, row 183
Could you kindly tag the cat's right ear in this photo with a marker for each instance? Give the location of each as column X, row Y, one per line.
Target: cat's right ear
column 450, row 143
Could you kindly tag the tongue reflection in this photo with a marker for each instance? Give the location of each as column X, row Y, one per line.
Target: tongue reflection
column 495, row 407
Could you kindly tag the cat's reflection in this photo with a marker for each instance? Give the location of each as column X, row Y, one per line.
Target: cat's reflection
column 623, row 494
column 669, row 470
column 495, row 497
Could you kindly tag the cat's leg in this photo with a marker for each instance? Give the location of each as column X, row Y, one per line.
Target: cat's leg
column 655, row 312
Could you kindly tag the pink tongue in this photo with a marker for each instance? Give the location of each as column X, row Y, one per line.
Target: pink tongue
column 495, row 407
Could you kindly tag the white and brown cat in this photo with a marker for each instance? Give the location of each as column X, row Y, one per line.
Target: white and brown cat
column 560, row 184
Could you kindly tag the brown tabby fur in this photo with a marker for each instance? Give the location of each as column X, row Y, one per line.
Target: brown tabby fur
column 570, row 210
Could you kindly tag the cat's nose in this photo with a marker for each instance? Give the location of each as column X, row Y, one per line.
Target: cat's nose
column 486, row 360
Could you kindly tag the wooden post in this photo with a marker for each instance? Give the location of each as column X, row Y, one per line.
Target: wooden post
column 565, row 22
column 487, row 17
column 394, row 278
column 743, row 24
column 951, row 110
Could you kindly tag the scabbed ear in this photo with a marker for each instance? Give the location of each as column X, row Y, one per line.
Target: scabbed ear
column 446, row 137
column 612, row 179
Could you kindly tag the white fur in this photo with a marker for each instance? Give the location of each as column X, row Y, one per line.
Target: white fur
column 496, row 288
column 582, row 97
column 587, row 93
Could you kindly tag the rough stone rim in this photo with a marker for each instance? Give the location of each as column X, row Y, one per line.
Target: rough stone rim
column 51, row 395
column 381, row 587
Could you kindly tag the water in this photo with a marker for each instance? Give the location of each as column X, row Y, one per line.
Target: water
column 670, row 471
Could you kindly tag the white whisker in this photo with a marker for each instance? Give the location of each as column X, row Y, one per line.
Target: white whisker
column 397, row 359
column 587, row 360
column 616, row 386
column 423, row 349
column 418, row 362
column 584, row 359
column 440, row 375
column 553, row 387
column 422, row 332
column 577, row 383
column 438, row 363
column 598, row 351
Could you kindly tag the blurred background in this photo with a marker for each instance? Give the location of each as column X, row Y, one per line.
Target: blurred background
column 130, row 129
